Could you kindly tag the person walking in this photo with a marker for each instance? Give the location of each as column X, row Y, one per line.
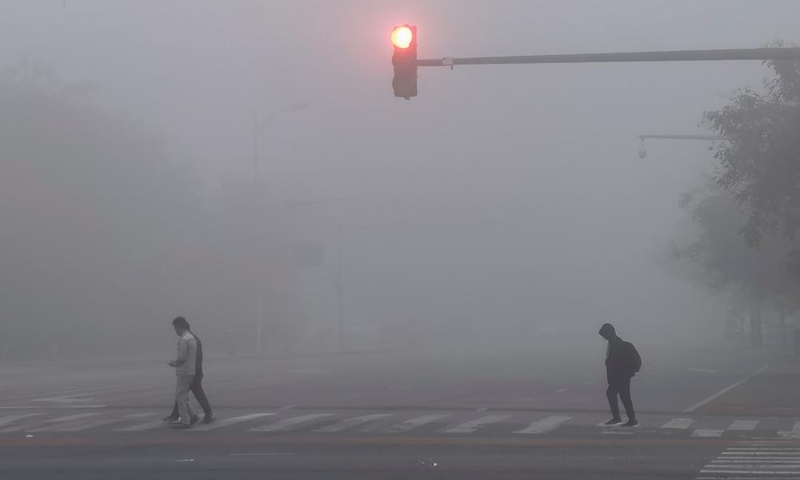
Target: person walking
column 622, row 363
column 196, row 387
column 185, row 369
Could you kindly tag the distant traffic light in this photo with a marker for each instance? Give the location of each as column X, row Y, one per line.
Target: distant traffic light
column 404, row 40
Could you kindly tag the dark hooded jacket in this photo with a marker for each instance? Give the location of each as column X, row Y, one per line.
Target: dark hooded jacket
column 618, row 365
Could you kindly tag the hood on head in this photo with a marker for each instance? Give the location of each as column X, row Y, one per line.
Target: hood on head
column 607, row 331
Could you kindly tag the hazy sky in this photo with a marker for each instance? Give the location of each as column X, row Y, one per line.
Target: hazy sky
column 552, row 147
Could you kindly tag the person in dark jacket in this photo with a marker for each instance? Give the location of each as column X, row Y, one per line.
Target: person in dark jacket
column 620, row 369
column 196, row 387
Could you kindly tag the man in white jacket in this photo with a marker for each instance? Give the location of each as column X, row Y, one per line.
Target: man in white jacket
column 184, row 366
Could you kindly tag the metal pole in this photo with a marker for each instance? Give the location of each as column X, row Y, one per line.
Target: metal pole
column 339, row 289
column 257, row 234
column 665, row 56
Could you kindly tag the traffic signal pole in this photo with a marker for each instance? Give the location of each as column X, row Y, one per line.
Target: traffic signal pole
column 625, row 57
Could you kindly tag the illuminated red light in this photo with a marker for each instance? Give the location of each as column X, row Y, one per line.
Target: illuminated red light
column 402, row 37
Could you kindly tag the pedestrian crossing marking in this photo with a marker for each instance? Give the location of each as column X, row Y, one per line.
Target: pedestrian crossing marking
column 706, row 433
column 679, row 423
column 543, row 426
column 8, row 419
column 473, row 425
column 413, row 423
column 290, row 423
column 228, row 422
column 352, row 422
column 793, row 433
column 392, row 423
column 743, row 425
column 35, row 426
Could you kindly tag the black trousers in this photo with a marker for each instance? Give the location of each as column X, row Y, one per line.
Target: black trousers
column 197, row 389
column 620, row 386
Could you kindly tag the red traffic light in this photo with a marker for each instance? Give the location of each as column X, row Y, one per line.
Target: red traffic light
column 402, row 37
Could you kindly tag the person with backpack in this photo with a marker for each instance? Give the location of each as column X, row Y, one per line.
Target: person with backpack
column 622, row 363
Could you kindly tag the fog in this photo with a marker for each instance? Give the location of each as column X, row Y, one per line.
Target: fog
column 504, row 206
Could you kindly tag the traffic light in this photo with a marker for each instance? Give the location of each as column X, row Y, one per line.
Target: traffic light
column 404, row 40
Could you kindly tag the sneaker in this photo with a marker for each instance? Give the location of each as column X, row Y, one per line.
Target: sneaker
column 613, row 422
column 209, row 418
column 632, row 423
column 181, row 426
column 171, row 419
column 194, row 420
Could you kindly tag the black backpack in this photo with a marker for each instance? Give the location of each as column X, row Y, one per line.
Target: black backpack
column 632, row 357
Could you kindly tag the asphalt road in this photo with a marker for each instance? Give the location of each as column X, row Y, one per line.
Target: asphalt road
column 481, row 413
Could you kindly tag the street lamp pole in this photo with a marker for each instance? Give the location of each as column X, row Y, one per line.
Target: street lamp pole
column 259, row 128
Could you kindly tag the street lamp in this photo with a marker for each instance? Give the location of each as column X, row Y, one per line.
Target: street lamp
column 259, row 127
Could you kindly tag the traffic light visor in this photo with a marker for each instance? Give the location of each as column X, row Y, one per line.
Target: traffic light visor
column 402, row 37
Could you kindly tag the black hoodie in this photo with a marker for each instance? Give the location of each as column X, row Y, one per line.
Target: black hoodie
column 618, row 366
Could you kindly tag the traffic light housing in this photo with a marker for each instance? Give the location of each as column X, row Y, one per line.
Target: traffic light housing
column 404, row 41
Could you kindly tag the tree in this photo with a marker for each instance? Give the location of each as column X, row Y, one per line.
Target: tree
column 760, row 159
column 96, row 219
column 749, row 214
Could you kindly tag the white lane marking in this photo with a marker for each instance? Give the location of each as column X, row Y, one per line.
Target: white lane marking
column 13, row 418
column 743, row 425
column 562, row 390
column 415, row 422
column 352, row 422
column 725, row 390
column 290, row 423
column 473, row 425
column 544, row 425
column 228, row 422
column 704, row 433
column 32, row 426
column 679, row 423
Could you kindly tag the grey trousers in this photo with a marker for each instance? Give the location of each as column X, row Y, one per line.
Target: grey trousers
column 182, row 387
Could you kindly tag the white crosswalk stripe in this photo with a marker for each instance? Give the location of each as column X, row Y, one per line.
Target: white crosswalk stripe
column 543, row 426
column 9, row 419
column 413, row 423
column 473, row 425
column 141, row 427
column 707, row 433
column 793, row 433
column 352, row 422
column 45, row 425
column 743, row 425
column 229, row 421
column 290, row 423
column 679, row 423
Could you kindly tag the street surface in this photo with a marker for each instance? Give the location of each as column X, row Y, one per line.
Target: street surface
column 704, row 413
